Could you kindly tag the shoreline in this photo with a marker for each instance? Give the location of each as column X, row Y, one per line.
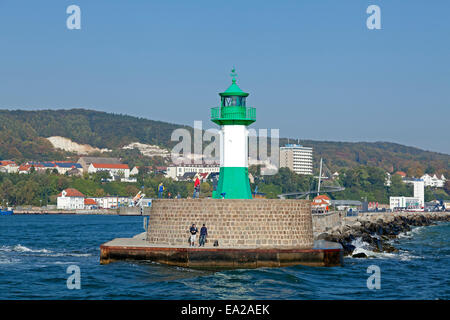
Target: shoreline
column 377, row 229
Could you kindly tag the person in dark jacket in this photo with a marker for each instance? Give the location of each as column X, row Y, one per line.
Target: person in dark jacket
column 203, row 235
column 193, row 230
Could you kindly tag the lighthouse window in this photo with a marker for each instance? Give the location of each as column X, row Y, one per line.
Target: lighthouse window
column 233, row 101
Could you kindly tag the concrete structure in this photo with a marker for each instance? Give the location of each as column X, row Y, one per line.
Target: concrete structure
column 70, row 199
column 297, row 158
column 176, row 171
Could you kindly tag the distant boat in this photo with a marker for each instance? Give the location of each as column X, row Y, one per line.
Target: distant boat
column 6, row 212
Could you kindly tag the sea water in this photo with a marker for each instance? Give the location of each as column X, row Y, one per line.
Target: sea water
column 36, row 251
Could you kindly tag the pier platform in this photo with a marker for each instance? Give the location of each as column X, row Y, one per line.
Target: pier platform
column 323, row 254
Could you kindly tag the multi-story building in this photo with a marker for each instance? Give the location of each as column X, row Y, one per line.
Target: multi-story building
column 433, row 181
column 87, row 161
column 70, row 199
column 417, row 202
column 113, row 169
column 297, row 158
column 176, row 171
column 8, row 166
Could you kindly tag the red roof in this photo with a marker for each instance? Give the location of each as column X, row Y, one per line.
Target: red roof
column 6, row 162
column 110, row 166
column 89, row 201
column 322, row 196
column 401, row 173
column 71, row 192
column 24, row 167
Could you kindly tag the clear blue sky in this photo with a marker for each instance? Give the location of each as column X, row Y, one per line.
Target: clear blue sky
column 312, row 68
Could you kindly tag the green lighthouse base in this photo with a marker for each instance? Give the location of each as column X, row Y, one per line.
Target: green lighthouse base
column 234, row 182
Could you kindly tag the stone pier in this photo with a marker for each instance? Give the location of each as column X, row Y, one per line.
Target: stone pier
column 250, row 233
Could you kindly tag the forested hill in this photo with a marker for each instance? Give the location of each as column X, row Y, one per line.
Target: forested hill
column 23, row 133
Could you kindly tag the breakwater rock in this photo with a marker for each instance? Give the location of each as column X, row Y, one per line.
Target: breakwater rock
column 376, row 229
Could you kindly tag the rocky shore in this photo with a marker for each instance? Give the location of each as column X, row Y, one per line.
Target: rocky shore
column 377, row 229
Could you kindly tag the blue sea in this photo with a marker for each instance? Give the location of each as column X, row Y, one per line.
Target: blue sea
column 36, row 251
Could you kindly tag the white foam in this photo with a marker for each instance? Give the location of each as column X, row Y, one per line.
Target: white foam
column 364, row 247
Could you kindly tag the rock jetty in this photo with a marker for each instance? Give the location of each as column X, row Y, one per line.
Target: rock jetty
column 377, row 229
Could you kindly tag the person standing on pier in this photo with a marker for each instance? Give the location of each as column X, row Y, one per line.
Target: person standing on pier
column 203, row 235
column 193, row 230
column 196, row 188
column 160, row 190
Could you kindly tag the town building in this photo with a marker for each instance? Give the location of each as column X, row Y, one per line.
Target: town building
column 70, row 199
column 8, row 166
column 297, row 158
column 320, row 204
column 121, row 170
column 433, row 181
column 112, row 202
column 87, row 161
column 177, row 171
column 90, row 204
column 415, row 203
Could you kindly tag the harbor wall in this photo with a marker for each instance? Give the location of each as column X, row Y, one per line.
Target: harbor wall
column 234, row 223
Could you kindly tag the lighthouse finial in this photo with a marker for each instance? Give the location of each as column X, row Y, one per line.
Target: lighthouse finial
column 233, row 75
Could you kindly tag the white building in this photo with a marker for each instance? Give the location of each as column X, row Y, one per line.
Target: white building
column 7, row 166
column 417, row 202
column 70, row 199
column 112, row 202
column 433, row 181
column 176, row 171
column 297, row 158
column 408, row 203
column 114, row 169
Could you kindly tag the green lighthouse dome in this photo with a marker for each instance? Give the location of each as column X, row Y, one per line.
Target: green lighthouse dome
column 233, row 109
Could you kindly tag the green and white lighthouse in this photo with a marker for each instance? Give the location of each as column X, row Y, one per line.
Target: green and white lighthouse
column 233, row 116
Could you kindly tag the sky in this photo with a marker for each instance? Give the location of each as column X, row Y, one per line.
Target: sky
column 313, row 69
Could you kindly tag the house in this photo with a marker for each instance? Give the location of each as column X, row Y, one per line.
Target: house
column 119, row 169
column 8, row 166
column 433, row 181
column 401, row 173
column 70, row 199
column 90, row 203
column 320, row 204
column 24, row 168
column 85, row 162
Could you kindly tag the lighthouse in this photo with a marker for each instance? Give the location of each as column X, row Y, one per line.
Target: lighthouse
column 233, row 116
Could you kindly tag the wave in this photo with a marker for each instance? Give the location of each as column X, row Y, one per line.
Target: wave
column 41, row 252
column 20, row 248
column 363, row 247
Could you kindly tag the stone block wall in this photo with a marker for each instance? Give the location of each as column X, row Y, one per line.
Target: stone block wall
column 234, row 223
